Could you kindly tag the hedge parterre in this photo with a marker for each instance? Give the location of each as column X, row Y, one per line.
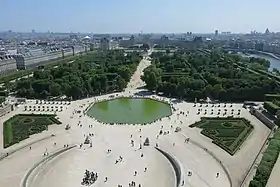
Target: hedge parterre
column 228, row 133
column 21, row 126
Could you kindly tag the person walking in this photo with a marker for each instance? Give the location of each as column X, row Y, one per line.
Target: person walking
column 217, row 175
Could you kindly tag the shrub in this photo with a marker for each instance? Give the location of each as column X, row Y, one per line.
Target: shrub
column 255, row 183
column 271, row 107
column 268, row 161
column 271, row 97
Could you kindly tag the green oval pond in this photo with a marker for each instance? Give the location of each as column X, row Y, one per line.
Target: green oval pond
column 129, row 110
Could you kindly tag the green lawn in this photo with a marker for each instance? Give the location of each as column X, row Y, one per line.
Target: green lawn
column 227, row 133
column 21, row 126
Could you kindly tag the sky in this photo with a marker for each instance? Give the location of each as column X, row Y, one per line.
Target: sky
column 134, row 16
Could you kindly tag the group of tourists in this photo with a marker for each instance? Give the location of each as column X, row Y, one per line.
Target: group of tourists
column 133, row 184
column 89, row 178
column 119, row 160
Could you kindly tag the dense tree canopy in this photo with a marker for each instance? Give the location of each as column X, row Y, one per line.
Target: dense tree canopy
column 89, row 75
column 201, row 74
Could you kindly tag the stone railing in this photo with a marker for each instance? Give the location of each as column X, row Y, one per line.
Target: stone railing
column 24, row 182
column 9, row 152
column 176, row 166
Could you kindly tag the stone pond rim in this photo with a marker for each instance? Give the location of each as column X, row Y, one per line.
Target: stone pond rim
column 129, row 110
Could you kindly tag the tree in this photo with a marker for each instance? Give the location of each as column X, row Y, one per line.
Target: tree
column 151, row 77
column 74, row 91
column 55, row 89
column 89, row 75
column 121, row 84
column 255, row 183
column 190, row 74
column 277, row 121
column 124, row 72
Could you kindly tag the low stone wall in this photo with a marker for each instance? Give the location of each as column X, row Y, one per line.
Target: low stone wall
column 176, row 166
column 262, row 118
column 24, row 182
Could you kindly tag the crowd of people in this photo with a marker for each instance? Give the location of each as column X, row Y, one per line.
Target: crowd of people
column 89, row 178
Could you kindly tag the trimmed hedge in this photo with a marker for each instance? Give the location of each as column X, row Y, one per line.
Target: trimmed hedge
column 269, row 74
column 21, row 126
column 230, row 136
column 15, row 75
column 271, row 107
column 2, row 99
column 268, row 161
column 271, row 97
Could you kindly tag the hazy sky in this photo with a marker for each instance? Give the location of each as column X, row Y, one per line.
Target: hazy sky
column 118, row 16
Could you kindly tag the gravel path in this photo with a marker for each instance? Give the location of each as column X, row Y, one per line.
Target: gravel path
column 135, row 81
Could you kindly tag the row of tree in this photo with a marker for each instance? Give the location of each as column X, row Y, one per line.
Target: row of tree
column 89, row 75
column 267, row 163
column 201, row 74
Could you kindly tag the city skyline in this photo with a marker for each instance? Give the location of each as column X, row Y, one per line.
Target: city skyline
column 157, row 16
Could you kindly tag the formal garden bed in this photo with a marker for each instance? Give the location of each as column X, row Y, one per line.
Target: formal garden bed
column 21, row 126
column 228, row 133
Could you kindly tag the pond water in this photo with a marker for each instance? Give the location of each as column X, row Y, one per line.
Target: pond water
column 129, row 110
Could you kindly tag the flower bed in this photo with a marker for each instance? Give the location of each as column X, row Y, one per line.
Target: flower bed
column 21, row 126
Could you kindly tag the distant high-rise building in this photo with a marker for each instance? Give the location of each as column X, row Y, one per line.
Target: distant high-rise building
column 216, row 32
column 132, row 37
column 164, row 37
column 226, row 33
column 198, row 40
column 33, row 31
column 104, row 44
